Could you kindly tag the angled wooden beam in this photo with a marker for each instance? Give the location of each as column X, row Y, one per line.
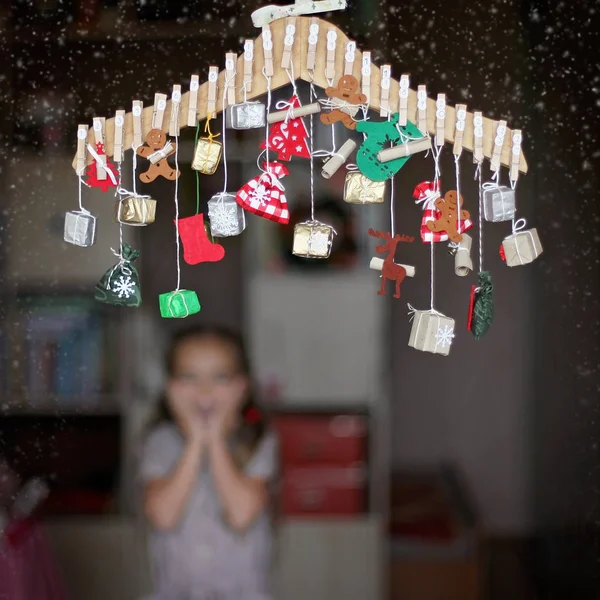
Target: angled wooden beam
column 298, row 70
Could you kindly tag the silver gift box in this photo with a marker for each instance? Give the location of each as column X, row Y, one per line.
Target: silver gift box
column 80, row 228
column 498, row 203
column 248, row 115
column 227, row 218
column 431, row 332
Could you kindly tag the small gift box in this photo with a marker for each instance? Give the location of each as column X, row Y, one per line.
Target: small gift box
column 312, row 239
column 207, row 155
column 80, row 228
column 227, row 217
column 135, row 210
column 521, row 248
column 498, row 203
column 359, row 189
column 248, row 115
column 431, row 332
column 178, row 304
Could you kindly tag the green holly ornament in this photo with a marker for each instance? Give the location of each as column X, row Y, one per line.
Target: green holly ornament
column 120, row 285
column 379, row 135
column 481, row 310
column 178, row 304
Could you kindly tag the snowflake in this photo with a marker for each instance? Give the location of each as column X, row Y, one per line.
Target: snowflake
column 261, row 193
column 444, row 336
column 318, row 243
column 224, row 219
column 124, row 287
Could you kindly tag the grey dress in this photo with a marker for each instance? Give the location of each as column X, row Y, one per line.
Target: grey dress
column 202, row 558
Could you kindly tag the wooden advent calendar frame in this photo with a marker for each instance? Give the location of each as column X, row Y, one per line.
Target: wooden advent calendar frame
column 297, row 57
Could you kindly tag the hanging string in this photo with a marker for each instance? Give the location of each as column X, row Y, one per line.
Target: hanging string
column 225, row 86
column 266, row 150
column 513, row 185
column 177, row 213
column 392, row 215
column 197, row 172
column 312, row 160
column 436, row 152
column 117, row 192
column 457, row 171
column 480, row 185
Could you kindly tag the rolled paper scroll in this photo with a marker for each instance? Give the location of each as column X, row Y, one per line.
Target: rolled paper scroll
column 293, row 113
column 377, row 264
column 338, row 159
column 404, row 150
column 463, row 264
column 160, row 154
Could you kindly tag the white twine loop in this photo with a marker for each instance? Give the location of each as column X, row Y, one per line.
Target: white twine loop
column 428, row 200
column 518, row 225
column 172, row 297
column 457, row 247
column 123, row 262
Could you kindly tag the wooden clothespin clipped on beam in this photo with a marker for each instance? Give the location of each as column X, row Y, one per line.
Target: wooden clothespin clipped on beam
column 384, row 103
column 213, row 78
column 99, row 124
column 175, row 110
column 498, row 144
column 330, row 60
column 459, row 131
column 230, row 72
column 440, row 120
column 267, row 14
column 422, row 109
column 403, row 100
column 136, row 112
column 288, row 42
column 313, row 40
column 158, row 115
column 349, row 58
column 82, row 133
column 119, row 136
column 192, row 117
column 267, row 40
column 248, row 62
column 478, row 137
column 515, row 158
column 365, row 72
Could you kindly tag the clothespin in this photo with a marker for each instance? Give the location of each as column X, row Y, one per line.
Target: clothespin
column 403, row 100
column 82, row 133
column 478, row 137
column 268, row 50
column 175, row 108
column 422, row 109
column 366, row 75
column 230, row 71
column 288, row 42
column 213, row 77
column 192, row 118
column 384, row 103
column 313, row 39
column 248, row 60
column 136, row 111
column 349, row 58
column 515, row 158
column 498, row 144
column 461, row 120
column 160, row 105
column 440, row 120
column 119, row 136
column 99, row 123
column 330, row 61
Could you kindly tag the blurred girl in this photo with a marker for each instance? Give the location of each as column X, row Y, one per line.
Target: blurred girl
column 206, row 470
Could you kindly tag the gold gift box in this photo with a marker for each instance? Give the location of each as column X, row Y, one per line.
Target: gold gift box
column 359, row 189
column 312, row 240
column 522, row 247
column 135, row 210
column 431, row 332
column 207, row 156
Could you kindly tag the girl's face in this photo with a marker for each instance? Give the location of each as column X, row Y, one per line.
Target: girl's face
column 207, row 382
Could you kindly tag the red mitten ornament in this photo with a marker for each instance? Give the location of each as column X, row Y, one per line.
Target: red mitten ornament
column 92, row 172
column 289, row 138
column 197, row 247
column 264, row 195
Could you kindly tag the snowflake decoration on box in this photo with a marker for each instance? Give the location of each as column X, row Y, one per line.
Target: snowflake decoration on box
column 318, row 243
column 444, row 336
column 124, row 287
column 224, row 219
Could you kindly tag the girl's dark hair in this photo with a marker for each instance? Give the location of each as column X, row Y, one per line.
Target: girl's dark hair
column 252, row 423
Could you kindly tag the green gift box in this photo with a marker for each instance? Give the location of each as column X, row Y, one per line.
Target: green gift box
column 178, row 304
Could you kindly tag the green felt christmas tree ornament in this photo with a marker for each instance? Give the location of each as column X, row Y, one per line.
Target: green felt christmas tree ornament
column 481, row 313
column 120, row 285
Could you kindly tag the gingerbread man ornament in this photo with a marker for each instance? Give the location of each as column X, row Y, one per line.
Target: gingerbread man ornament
column 448, row 219
column 157, row 149
column 345, row 99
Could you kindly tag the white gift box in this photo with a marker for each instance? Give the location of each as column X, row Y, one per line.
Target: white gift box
column 227, row 218
column 522, row 247
column 247, row 115
column 498, row 203
column 80, row 228
column 431, row 332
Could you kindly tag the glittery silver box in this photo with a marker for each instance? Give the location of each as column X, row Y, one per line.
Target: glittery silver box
column 226, row 216
column 80, row 228
column 498, row 203
column 248, row 115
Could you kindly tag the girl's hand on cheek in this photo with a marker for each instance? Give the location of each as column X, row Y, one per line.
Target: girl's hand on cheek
column 191, row 420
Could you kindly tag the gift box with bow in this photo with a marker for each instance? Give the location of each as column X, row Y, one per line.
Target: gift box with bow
column 247, row 115
column 178, row 304
column 522, row 247
column 431, row 332
column 80, row 228
column 135, row 210
column 312, row 239
column 207, row 155
column 498, row 202
column 359, row 189
column 227, row 217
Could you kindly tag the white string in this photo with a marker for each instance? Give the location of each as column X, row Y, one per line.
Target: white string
column 120, row 223
column 225, row 86
column 436, row 151
column 312, row 160
column 177, row 208
column 513, row 185
column 457, row 170
column 478, row 175
column 392, row 215
column 268, row 78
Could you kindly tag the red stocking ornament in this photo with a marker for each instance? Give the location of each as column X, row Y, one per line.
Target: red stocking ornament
column 289, row 138
column 197, row 247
